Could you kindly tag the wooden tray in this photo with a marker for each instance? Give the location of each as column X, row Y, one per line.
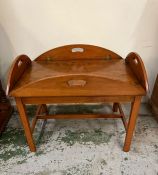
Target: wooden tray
column 78, row 74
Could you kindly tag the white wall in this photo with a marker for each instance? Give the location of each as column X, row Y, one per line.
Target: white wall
column 34, row 26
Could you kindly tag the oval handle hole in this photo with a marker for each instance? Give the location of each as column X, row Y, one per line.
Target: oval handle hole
column 135, row 61
column 19, row 63
column 76, row 82
column 77, row 49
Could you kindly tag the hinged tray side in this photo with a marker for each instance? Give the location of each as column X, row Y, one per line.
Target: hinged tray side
column 137, row 66
column 78, row 85
column 17, row 69
column 77, row 51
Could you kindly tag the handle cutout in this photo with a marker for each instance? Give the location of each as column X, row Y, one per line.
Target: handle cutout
column 76, row 83
column 135, row 61
column 77, row 49
column 19, row 63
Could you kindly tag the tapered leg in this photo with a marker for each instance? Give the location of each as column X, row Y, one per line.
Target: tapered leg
column 131, row 124
column 26, row 125
column 45, row 108
column 40, row 110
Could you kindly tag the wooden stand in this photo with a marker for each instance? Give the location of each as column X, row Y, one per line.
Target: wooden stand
column 78, row 74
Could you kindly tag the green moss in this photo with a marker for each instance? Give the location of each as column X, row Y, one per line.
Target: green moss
column 80, row 109
column 12, row 144
column 13, row 136
column 82, row 169
column 7, row 154
column 122, row 132
column 21, row 161
column 31, row 110
column 156, row 146
column 89, row 160
column 103, row 162
column 83, row 137
column 38, row 153
column 45, row 172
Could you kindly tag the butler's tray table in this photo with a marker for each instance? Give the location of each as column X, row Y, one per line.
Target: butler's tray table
column 78, row 74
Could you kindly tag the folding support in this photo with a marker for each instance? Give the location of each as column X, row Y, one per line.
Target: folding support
column 40, row 110
column 42, row 113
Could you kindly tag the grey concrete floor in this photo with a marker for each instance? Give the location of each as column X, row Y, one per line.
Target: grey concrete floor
column 81, row 147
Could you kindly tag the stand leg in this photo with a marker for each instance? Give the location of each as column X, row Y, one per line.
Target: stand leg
column 25, row 122
column 45, row 108
column 131, row 124
column 115, row 107
column 41, row 109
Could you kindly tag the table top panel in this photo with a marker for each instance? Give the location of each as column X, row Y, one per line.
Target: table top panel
column 109, row 75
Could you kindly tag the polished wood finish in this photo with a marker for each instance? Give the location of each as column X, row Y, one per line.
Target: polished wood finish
column 78, row 74
column 42, row 109
column 131, row 124
column 78, row 51
column 78, row 116
column 26, row 125
column 88, row 99
column 123, row 116
column 52, row 78
column 20, row 64
column 116, row 107
column 136, row 64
